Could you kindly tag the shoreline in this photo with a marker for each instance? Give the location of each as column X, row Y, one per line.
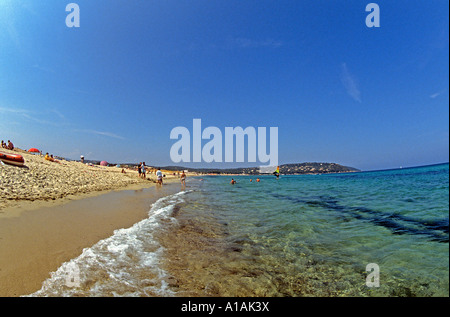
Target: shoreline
column 39, row 240
column 50, row 212
column 41, row 183
column 18, row 207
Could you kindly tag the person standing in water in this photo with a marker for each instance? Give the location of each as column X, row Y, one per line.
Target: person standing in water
column 183, row 178
column 159, row 177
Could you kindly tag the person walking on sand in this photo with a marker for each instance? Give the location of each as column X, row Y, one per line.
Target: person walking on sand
column 139, row 169
column 183, row 178
column 159, row 177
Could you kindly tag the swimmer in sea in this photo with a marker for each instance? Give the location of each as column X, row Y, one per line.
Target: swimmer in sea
column 233, row 181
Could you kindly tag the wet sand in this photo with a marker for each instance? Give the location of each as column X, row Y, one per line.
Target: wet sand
column 34, row 243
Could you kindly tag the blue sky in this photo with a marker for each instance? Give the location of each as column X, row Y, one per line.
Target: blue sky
column 338, row 91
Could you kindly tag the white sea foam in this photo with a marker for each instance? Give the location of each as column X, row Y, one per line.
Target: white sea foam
column 125, row 264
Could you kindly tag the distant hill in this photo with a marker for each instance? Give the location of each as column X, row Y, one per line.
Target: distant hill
column 321, row 168
column 286, row 169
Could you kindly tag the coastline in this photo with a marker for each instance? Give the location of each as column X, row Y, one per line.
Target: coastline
column 210, row 250
column 50, row 212
column 41, row 183
column 38, row 241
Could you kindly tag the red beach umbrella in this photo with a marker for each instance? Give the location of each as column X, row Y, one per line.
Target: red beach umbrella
column 104, row 163
column 33, row 150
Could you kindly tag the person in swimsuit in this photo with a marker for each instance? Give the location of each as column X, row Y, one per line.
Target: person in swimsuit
column 183, row 178
column 143, row 170
column 159, row 177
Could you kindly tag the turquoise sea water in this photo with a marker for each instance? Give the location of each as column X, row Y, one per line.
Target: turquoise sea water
column 315, row 234
column 306, row 235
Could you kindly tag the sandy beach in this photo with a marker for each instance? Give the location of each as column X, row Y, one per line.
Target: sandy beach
column 40, row 180
column 50, row 211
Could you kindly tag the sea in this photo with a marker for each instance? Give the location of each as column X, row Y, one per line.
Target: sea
column 364, row 234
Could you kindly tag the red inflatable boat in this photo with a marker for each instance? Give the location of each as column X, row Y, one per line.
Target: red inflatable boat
column 14, row 159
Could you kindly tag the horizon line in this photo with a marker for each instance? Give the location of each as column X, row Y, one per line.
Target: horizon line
column 222, row 168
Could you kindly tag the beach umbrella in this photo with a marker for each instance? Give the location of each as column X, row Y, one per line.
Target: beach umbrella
column 33, row 150
column 104, row 163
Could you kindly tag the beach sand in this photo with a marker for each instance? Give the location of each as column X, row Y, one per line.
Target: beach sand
column 38, row 241
column 42, row 180
column 49, row 212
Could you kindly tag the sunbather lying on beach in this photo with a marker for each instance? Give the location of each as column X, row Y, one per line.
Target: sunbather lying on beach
column 51, row 159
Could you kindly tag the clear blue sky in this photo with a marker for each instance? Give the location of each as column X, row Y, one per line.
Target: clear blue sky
column 338, row 91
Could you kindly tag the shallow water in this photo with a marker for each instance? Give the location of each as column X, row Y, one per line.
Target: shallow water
column 306, row 235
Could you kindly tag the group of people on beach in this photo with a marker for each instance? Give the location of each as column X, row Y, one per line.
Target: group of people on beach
column 51, row 158
column 8, row 146
column 142, row 173
column 141, row 170
column 159, row 177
